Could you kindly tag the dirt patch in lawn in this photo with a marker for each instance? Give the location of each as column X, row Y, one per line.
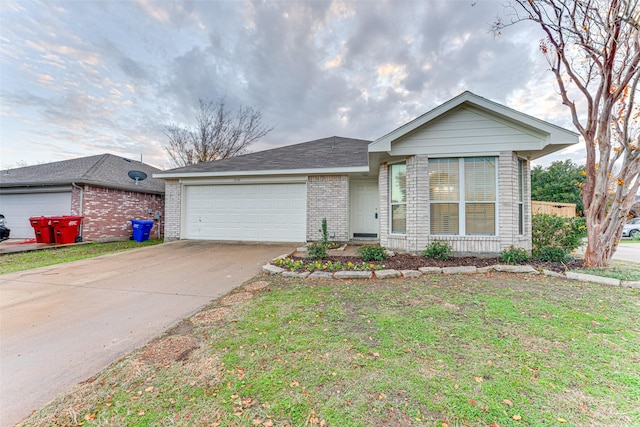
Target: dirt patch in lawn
column 257, row 286
column 214, row 315
column 170, row 349
column 236, row 298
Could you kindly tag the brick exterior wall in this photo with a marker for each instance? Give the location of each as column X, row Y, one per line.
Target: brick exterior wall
column 517, row 240
column 417, row 182
column 418, row 226
column 383, row 209
column 418, row 204
column 173, row 203
column 107, row 212
column 76, row 200
column 328, row 197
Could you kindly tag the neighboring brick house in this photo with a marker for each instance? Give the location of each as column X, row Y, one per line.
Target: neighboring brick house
column 99, row 188
column 459, row 173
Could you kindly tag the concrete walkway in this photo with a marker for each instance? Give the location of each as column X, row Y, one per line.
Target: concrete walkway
column 60, row 325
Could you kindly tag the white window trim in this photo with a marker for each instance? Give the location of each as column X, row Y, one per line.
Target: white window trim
column 462, row 219
column 520, row 202
column 391, row 204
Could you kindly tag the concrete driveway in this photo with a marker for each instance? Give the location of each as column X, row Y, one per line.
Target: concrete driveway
column 60, row 325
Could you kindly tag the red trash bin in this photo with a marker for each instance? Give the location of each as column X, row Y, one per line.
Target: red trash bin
column 66, row 228
column 42, row 227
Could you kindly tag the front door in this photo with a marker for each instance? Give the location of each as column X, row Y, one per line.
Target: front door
column 364, row 208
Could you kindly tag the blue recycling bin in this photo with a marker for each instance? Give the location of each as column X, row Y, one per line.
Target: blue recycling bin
column 141, row 229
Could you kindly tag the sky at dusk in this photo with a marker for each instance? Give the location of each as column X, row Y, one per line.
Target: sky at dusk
column 80, row 78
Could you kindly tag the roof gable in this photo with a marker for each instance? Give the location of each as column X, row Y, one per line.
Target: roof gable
column 470, row 125
column 105, row 170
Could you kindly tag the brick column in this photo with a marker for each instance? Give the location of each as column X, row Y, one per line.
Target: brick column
column 383, row 210
column 507, row 198
column 422, row 229
column 328, row 197
column 173, row 205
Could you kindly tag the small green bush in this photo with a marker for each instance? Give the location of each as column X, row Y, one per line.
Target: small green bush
column 373, row 253
column 325, row 232
column 438, row 250
column 552, row 254
column 513, row 255
column 316, row 251
column 551, row 234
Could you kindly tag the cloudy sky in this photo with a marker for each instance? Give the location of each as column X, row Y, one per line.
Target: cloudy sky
column 80, row 78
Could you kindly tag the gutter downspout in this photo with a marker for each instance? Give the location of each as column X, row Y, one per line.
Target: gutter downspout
column 81, row 204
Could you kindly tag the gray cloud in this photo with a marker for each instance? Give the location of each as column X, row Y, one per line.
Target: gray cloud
column 314, row 69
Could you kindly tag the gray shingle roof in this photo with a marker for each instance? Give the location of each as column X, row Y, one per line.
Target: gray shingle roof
column 105, row 170
column 327, row 153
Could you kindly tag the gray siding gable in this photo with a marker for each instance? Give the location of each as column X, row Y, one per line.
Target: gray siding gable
column 497, row 128
column 466, row 130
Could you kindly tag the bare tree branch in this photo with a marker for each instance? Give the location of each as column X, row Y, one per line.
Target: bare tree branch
column 217, row 134
column 593, row 49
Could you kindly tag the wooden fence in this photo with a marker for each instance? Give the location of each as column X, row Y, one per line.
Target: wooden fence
column 567, row 210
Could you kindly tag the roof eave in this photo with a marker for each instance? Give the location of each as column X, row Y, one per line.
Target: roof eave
column 548, row 149
column 316, row 171
column 36, row 185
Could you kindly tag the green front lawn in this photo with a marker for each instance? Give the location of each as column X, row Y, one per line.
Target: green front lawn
column 12, row 262
column 480, row 350
column 622, row 270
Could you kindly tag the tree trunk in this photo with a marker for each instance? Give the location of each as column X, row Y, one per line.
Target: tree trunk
column 597, row 255
column 602, row 242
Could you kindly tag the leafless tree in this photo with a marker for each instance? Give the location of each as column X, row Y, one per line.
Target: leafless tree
column 218, row 134
column 593, row 49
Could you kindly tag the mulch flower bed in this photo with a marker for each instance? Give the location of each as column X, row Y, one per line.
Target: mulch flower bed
column 413, row 262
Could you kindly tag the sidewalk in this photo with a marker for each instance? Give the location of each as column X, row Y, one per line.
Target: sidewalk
column 28, row 245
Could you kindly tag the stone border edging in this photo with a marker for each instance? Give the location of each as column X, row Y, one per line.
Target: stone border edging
column 389, row 273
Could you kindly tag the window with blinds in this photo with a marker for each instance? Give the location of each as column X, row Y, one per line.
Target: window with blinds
column 398, row 197
column 444, row 188
column 480, row 195
column 463, row 196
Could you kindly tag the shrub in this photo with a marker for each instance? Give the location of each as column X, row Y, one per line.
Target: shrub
column 373, row 253
column 513, row 255
column 325, row 232
column 552, row 254
column 438, row 250
column 556, row 233
column 316, row 251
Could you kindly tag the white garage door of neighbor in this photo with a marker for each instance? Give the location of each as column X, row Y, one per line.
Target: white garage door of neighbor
column 247, row 212
column 18, row 208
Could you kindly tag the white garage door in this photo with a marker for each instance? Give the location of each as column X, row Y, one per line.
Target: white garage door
column 18, row 208
column 247, row 212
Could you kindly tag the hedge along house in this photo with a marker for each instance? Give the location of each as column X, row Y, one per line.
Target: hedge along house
column 99, row 188
column 459, row 173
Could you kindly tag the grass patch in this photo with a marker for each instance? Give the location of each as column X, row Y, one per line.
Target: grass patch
column 510, row 350
column 12, row 262
column 622, row 270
